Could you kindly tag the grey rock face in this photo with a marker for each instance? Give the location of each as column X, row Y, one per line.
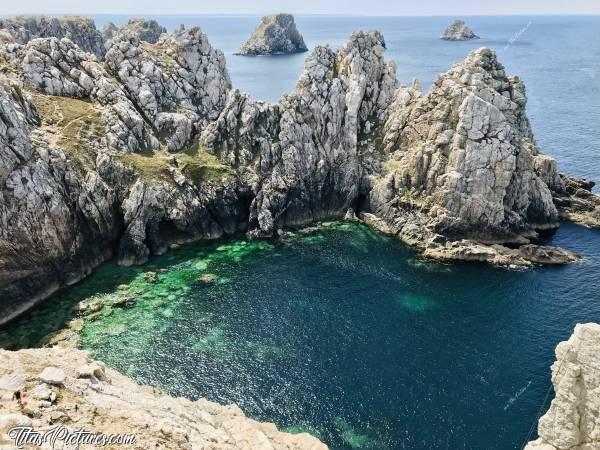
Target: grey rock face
column 458, row 31
column 152, row 147
column 572, row 422
column 462, row 159
column 147, row 30
column 81, row 30
column 275, row 35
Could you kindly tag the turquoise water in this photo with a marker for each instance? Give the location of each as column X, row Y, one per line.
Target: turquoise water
column 558, row 57
column 344, row 333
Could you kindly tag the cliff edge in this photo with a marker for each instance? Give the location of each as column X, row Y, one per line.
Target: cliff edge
column 573, row 420
column 50, row 387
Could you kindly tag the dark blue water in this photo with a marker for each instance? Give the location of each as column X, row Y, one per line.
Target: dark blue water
column 558, row 57
column 344, row 333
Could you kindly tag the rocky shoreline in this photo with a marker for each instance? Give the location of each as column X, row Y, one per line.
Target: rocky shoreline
column 140, row 146
column 51, row 387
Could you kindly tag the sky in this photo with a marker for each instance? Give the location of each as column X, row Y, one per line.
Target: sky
column 351, row 7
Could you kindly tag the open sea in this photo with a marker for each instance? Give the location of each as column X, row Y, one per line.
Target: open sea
column 345, row 333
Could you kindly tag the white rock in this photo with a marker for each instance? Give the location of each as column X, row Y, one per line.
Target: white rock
column 52, row 375
column 12, row 382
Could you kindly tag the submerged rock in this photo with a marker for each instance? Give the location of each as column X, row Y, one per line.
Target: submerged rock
column 458, row 31
column 572, row 422
column 102, row 400
column 275, row 35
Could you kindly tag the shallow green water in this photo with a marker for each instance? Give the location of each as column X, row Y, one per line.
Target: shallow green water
column 341, row 332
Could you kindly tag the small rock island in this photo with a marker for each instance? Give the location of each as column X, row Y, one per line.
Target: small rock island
column 275, row 35
column 458, row 31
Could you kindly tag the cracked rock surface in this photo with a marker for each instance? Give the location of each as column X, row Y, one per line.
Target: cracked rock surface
column 151, row 146
column 573, row 420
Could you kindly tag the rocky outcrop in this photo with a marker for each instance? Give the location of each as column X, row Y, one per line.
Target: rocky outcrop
column 43, row 388
column 573, row 422
column 461, row 163
column 152, row 147
column 146, row 30
column 275, row 35
column 458, row 31
column 80, row 30
column 576, row 203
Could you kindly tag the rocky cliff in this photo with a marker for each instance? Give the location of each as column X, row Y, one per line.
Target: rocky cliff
column 80, row 30
column 151, row 146
column 275, row 35
column 47, row 388
column 458, row 31
column 147, row 30
column 573, row 422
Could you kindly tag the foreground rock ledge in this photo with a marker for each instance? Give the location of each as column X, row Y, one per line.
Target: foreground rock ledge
column 573, row 420
column 83, row 393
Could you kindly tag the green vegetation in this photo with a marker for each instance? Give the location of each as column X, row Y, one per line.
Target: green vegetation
column 195, row 163
column 76, row 124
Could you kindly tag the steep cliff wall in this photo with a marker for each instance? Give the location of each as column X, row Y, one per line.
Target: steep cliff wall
column 152, row 147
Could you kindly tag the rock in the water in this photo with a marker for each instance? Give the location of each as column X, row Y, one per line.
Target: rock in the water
column 573, row 422
column 275, row 35
column 52, row 375
column 458, row 31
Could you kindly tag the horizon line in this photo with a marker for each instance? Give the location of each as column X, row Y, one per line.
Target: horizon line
column 295, row 14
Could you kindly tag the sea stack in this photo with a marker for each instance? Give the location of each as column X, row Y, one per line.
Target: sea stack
column 458, row 31
column 275, row 35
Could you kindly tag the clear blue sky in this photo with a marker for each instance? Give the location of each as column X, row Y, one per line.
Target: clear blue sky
column 359, row 7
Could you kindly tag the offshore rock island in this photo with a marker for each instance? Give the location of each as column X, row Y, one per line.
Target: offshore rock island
column 458, row 31
column 275, row 35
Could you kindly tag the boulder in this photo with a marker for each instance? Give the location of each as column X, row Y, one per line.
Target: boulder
column 52, row 375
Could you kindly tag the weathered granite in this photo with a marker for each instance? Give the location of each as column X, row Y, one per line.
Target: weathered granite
column 573, row 420
column 152, row 147
column 275, row 35
column 146, row 30
column 458, row 31
column 102, row 400
column 81, row 30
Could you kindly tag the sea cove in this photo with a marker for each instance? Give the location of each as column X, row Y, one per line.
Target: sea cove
column 341, row 332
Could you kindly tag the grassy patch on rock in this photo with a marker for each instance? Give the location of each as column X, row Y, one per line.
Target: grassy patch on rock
column 74, row 125
column 195, row 163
